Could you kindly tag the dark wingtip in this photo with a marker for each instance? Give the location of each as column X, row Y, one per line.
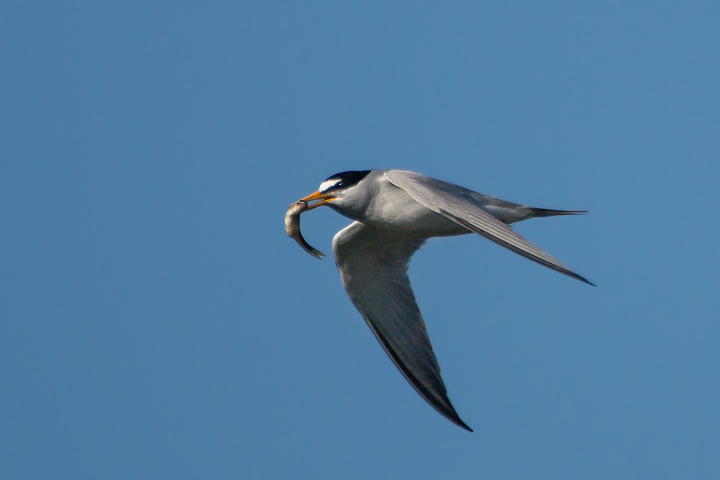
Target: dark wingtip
column 582, row 279
column 462, row 424
column 453, row 416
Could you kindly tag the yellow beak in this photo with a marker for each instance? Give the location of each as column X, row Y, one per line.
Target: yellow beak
column 322, row 198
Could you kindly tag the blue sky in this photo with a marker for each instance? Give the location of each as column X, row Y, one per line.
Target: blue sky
column 156, row 322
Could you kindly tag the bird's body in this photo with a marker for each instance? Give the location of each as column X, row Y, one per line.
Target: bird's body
column 390, row 207
column 395, row 212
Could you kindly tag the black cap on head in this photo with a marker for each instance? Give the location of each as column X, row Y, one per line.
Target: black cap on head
column 343, row 180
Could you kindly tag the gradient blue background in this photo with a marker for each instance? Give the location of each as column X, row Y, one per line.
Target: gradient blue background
column 156, row 322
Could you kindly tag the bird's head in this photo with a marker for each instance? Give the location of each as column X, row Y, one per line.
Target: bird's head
column 338, row 190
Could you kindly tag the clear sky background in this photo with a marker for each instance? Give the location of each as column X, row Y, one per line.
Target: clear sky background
column 156, row 322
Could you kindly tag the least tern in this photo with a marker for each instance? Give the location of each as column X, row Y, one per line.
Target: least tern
column 394, row 214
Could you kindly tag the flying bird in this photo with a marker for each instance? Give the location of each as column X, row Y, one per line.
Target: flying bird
column 395, row 212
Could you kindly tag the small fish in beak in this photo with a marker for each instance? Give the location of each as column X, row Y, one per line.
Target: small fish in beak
column 292, row 227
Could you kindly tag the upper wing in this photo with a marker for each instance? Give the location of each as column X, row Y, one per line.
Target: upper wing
column 373, row 264
column 457, row 204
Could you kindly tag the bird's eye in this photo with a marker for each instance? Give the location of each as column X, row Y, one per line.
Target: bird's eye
column 329, row 184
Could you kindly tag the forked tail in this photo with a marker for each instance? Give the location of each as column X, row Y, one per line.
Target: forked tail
column 545, row 212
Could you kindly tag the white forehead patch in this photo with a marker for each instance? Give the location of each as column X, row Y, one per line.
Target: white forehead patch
column 327, row 184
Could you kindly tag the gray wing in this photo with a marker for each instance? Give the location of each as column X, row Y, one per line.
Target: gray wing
column 373, row 264
column 462, row 207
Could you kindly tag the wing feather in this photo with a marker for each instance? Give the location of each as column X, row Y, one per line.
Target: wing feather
column 460, row 205
column 373, row 264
